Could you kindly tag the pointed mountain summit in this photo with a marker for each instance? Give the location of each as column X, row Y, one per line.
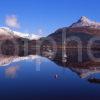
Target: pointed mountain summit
column 85, row 22
column 84, row 28
column 84, row 19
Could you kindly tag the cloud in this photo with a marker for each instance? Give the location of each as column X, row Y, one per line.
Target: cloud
column 12, row 21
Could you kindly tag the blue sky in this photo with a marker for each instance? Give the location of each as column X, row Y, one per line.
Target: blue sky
column 48, row 15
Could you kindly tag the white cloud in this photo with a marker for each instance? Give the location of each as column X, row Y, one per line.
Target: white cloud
column 12, row 21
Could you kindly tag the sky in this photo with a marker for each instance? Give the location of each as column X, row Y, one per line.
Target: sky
column 45, row 16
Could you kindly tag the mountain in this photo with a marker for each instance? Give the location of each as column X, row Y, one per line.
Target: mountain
column 5, row 31
column 82, row 31
column 84, row 28
column 85, row 22
column 17, row 43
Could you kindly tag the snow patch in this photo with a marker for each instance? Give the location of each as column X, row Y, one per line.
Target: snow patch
column 6, row 31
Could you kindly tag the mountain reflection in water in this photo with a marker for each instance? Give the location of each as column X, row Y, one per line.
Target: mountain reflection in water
column 84, row 69
column 57, row 78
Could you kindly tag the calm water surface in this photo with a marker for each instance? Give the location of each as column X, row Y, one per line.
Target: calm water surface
column 21, row 81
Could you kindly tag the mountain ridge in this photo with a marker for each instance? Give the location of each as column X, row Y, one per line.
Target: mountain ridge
column 85, row 22
column 8, row 31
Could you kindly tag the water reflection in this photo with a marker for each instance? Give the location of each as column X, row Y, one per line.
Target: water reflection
column 6, row 60
column 84, row 69
column 11, row 72
column 57, row 79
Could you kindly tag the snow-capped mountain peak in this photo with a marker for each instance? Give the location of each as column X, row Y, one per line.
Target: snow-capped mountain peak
column 8, row 31
column 84, row 19
column 85, row 22
column 27, row 35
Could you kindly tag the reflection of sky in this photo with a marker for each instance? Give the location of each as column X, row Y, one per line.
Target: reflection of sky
column 30, row 83
column 11, row 71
